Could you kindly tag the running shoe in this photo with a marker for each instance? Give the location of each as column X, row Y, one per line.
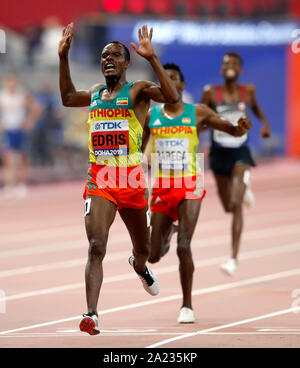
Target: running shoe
column 229, row 267
column 149, row 281
column 89, row 324
column 186, row 315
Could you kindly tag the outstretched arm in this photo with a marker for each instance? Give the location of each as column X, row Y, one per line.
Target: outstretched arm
column 266, row 130
column 207, row 118
column 166, row 92
column 69, row 95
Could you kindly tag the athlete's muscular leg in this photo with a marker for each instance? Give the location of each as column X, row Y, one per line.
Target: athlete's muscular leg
column 161, row 227
column 236, row 205
column 231, row 192
column 188, row 212
column 97, row 224
column 224, row 190
column 137, row 222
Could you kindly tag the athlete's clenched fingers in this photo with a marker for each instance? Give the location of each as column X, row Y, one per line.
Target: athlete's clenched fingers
column 245, row 123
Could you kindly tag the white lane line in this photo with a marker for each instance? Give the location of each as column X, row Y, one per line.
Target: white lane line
column 251, row 333
column 263, row 218
column 130, row 334
column 233, row 324
column 201, row 243
column 39, row 234
column 158, row 271
column 248, row 235
column 51, row 248
column 213, row 289
column 279, row 330
column 57, row 265
column 78, row 333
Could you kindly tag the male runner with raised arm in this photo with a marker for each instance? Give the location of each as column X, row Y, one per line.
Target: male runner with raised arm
column 176, row 193
column 117, row 115
column 230, row 157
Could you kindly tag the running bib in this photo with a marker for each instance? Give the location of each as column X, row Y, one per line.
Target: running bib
column 172, row 154
column 225, row 139
column 110, row 137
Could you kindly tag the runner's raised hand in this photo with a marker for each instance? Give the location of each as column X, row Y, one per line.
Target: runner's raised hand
column 145, row 47
column 65, row 42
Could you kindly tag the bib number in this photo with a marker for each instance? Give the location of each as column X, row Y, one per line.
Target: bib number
column 110, row 138
column 172, row 154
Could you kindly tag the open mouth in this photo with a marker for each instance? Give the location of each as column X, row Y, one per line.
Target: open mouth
column 230, row 73
column 109, row 67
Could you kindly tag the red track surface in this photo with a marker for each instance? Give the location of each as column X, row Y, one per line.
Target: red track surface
column 43, row 253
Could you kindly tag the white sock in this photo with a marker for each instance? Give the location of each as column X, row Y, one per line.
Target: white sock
column 232, row 261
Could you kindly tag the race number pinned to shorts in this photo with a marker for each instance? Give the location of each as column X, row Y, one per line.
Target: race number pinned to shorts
column 87, row 206
column 148, row 217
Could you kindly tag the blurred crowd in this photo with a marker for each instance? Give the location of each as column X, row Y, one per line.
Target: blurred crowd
column 36, row 131
column 40, row 139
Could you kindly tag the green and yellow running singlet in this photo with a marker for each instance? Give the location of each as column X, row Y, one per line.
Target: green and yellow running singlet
column 115, row 134
column 175, row 142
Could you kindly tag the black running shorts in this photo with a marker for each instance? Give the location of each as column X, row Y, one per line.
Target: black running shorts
column 222, row 160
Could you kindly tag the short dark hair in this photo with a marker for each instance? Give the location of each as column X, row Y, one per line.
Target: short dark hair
column 174, row 66
column 125, row 48
column 234, row 54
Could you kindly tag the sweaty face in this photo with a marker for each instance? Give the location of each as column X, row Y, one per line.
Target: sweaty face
column 175, row 78
column 113, row 62
column 231, row 67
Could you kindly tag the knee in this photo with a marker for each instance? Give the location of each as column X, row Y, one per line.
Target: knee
column 184, row 247
column 154, row 258
column 97, row 248
column 227, row 205
column 158, row 253
column 233, row 206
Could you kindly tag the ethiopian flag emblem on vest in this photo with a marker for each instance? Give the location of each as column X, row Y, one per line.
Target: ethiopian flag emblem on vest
column 122, row 101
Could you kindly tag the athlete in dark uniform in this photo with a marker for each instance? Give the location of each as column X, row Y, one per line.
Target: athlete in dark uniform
column 230, row 157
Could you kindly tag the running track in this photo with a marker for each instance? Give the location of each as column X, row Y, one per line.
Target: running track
column 43, row 253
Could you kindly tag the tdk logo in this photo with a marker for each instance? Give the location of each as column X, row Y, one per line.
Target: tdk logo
column 108, row 126
column 171, row 143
